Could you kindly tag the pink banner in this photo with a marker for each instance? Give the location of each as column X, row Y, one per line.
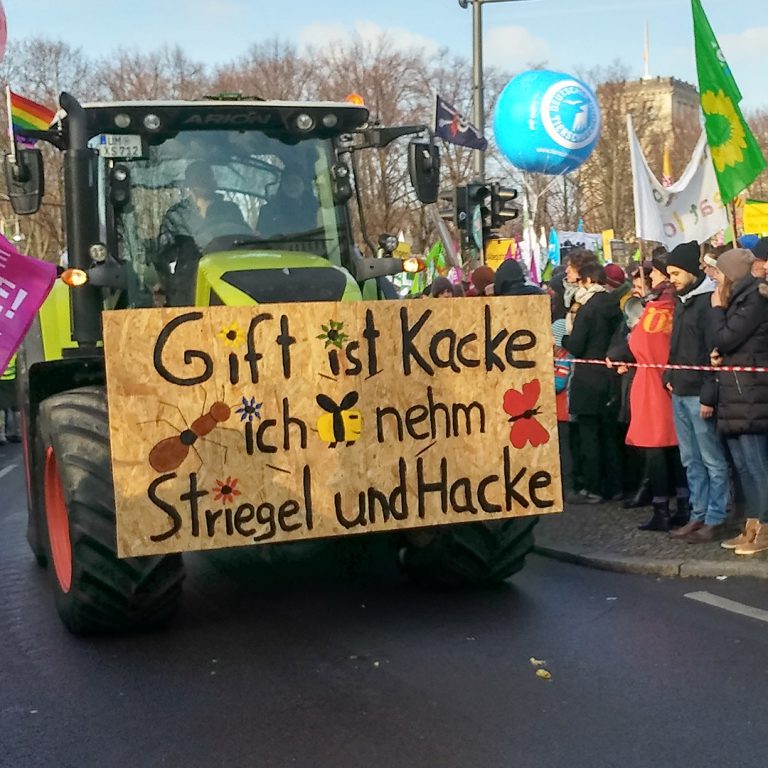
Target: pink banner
column 24, row 284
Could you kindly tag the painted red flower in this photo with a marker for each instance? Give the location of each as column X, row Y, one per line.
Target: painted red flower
column 522, row 410
column 226, row 491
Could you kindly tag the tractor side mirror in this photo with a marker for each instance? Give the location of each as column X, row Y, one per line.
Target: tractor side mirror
column 24, row 180
column 424, row 170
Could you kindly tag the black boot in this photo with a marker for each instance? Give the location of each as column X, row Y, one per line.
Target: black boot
column 660, row 519
column 642, row 497
column 682, row 513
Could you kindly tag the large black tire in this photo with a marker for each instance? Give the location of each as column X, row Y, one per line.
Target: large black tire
column 470, row 554
column 95, row 592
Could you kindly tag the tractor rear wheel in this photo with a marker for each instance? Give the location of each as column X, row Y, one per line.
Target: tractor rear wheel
column 94, row 590
column 470, row 554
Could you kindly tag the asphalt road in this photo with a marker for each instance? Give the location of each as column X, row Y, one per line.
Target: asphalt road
column 341, row 663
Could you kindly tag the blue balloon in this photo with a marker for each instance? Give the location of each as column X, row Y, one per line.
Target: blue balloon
column 547, row 122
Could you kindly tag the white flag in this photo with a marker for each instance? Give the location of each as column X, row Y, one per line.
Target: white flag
column 689, row 209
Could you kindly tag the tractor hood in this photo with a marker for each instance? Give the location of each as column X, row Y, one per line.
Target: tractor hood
column 267, row 277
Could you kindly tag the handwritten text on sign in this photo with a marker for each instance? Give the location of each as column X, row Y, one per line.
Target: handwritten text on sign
column 239, row 425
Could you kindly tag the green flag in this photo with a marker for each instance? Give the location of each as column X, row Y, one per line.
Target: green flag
column 736, row 154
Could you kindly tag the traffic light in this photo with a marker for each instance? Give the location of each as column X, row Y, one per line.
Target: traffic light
column 479, row 210
column 502, row 209
column 461, row 208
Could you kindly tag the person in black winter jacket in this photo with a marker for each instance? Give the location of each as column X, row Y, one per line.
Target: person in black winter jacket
column 594, row 392
column 694, row 396
column 739, row 323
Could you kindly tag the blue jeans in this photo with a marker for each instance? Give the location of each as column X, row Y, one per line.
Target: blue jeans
column 750, row 457
column 703, row 456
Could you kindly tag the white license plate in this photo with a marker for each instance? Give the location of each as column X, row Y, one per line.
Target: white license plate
column 120, row 146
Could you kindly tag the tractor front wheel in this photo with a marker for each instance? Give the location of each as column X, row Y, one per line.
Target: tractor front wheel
column 95, row 591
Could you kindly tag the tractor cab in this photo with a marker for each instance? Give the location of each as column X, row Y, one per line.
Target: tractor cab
column 212, row 202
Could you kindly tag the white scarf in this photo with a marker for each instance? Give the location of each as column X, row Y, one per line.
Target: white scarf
column 585, row 293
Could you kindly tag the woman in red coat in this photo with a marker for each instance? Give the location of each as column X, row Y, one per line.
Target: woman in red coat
column 651, row 425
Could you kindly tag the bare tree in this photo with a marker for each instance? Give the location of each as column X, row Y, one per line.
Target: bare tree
column 167, row 73
column 758, row 122
column 41, row 69
column 270, row 70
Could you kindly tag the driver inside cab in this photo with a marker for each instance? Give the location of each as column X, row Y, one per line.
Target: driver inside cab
column 292, row 210
column 190, row 227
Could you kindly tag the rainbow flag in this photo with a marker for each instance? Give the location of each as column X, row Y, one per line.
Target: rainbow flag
column 29, row 115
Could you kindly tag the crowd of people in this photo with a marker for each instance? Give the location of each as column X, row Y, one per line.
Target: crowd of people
column 668, row 413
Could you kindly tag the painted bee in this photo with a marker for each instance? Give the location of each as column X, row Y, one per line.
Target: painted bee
column 340, row 424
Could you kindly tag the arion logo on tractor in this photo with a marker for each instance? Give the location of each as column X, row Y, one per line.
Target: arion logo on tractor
column 218, row 202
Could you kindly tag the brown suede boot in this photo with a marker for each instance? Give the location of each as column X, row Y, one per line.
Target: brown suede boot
column 703, row 535
column 689, row 527
column 747, row 536
column 758, row 544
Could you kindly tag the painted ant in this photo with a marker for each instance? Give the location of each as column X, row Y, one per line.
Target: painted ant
column 171, row 452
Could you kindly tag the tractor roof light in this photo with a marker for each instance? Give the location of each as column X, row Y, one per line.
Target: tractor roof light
column 356, row 99
column 74, row 278
column 152, row 122
column 330, row 120
column 305, row 122
column 414, row 264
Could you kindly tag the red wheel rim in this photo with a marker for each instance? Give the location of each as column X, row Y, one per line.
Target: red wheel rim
column 58, row 522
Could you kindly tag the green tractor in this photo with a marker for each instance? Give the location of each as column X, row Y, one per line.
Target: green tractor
column 221, row 201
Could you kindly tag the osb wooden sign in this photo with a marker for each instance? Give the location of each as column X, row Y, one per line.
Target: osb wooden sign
column 244, row 425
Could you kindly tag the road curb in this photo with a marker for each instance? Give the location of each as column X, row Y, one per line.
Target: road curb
column 669, row 567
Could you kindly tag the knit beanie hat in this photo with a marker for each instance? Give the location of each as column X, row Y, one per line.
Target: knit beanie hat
column 661, row 264
column 760, row 249
column 441, row 285
column 482, row 277
column 736, row 263
column 686, row 257
column 614, row 275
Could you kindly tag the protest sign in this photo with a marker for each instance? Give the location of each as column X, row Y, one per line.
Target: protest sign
column 233, row 426
column 689, row 209
column 24, row 284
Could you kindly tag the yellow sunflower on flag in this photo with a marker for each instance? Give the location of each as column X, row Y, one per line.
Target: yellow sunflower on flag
column 730, row 142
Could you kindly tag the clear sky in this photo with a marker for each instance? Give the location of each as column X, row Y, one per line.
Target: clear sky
column 572, row 35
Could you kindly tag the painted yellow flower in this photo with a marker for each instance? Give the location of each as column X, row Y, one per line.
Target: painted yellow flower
column 232, row 335
column 724, row 129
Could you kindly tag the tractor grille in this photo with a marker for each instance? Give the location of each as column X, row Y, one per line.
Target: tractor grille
column 268, row 286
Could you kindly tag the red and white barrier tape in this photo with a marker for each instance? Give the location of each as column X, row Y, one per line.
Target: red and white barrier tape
column 671, row 367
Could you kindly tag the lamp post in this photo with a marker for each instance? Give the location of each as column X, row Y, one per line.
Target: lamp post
column 478, row 94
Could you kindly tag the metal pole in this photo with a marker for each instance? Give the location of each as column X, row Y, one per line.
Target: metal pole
column 478, row 96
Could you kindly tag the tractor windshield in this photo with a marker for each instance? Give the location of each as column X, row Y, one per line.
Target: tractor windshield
column 209, row 192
